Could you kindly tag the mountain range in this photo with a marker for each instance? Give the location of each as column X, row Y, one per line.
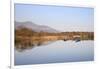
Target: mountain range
column 34, row 27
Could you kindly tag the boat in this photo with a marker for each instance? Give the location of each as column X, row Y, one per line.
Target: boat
column 65, row 39
column 76, row 38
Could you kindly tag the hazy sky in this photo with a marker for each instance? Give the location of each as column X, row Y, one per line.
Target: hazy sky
column 58, row 17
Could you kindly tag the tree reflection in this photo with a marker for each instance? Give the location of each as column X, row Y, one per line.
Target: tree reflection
column 27, row 46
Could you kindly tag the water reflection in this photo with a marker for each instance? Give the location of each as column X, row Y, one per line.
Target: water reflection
column 54, row 51
column 27, row 46
column 23, row 45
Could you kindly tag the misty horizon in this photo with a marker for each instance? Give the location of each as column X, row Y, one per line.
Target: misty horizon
column 49, row 26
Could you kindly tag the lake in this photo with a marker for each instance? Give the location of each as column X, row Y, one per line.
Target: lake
column 55, row 52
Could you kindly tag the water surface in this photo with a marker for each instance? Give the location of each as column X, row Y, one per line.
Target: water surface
column 54, row 52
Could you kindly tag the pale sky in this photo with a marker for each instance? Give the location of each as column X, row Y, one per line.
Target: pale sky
column 61, row 18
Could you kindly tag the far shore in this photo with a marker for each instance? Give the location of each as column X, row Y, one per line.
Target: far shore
column 28, row 36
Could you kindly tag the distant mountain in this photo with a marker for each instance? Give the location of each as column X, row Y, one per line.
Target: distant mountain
column 34, row 27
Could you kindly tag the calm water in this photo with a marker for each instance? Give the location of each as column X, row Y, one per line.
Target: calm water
column 55, row 51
